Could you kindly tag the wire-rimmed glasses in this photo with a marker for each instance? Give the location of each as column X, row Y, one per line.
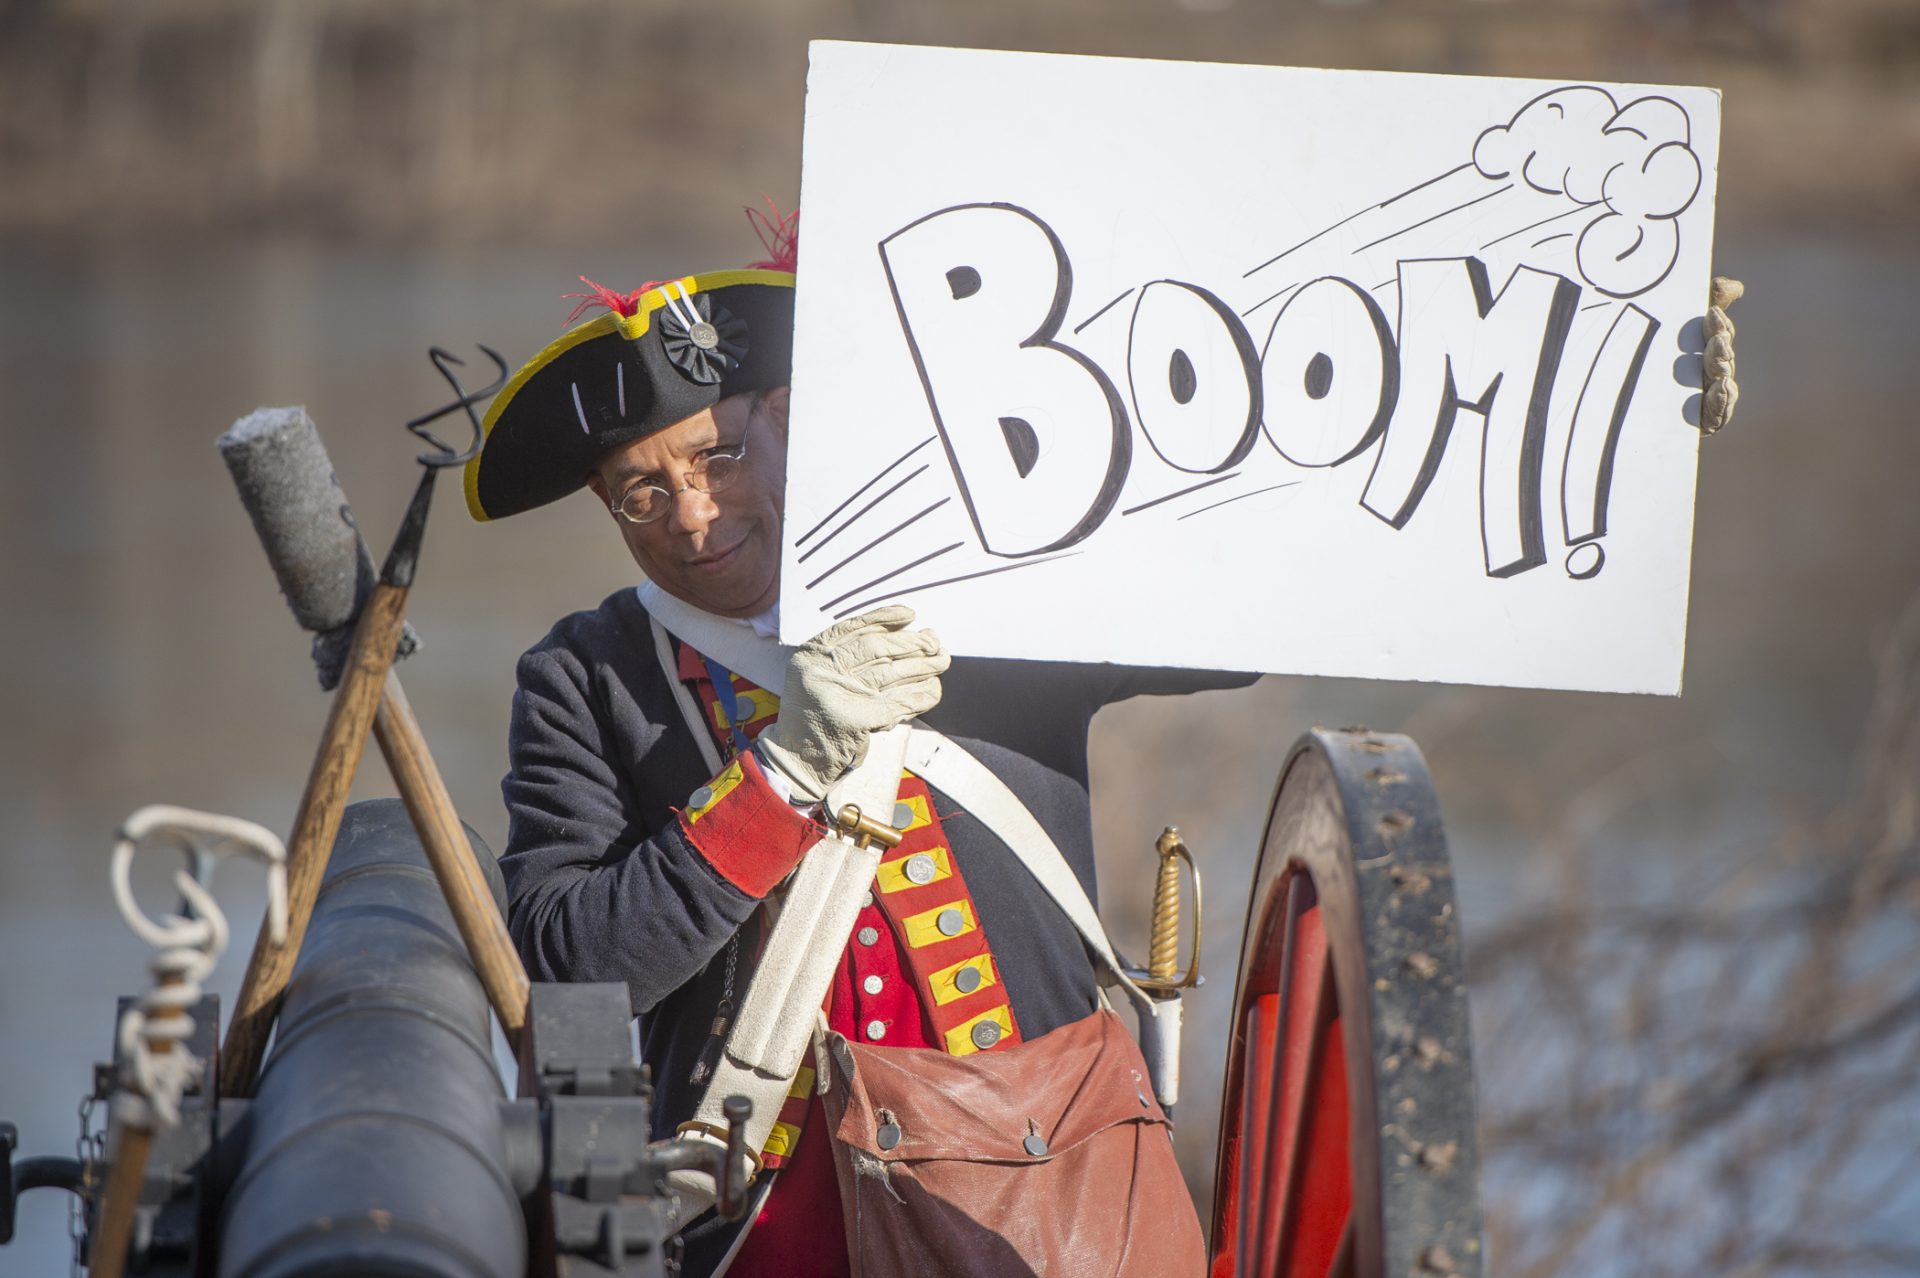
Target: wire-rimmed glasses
column 711, row 472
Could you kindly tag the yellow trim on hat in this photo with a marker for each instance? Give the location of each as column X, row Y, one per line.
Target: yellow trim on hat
column 598, row 326
column 628, row 326
column 636, row 325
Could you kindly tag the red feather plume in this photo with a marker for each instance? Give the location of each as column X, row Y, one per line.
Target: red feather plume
column 779, row 233
column 610, row 299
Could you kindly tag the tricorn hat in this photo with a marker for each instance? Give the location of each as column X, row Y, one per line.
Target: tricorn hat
column 658, row 356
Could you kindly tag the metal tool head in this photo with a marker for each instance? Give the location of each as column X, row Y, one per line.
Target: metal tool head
column 444, row 454
column 404, row 556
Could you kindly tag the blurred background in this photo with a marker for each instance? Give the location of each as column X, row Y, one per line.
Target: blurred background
column 1694, row 924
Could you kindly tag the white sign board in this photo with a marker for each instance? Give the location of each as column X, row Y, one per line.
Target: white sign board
column 1251, row 368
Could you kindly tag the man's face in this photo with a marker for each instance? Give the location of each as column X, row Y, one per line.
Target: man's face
column 717, row 551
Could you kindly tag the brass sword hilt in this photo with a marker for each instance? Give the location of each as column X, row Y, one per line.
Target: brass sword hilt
column 1162, row 973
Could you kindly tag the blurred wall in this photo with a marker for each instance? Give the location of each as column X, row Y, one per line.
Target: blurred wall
column 584, row 117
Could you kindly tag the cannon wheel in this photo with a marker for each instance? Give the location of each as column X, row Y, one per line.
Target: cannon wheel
column 1347, row 1143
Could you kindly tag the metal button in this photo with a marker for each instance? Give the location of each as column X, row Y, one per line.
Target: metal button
column 967, row 980
column 902, row 815
column 951, row 922
column 704, row 335
column 873, row 985
column 1034, row 1145
column 876, row 1030
column 867, row 935
column 888, row 1136
column 920, row 868
column 985, row 1034
column 866, row 900
column 700, row 798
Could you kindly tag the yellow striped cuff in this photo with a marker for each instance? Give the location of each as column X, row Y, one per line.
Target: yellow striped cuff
column 717, row 789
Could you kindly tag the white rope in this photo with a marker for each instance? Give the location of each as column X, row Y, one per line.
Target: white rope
column 154, row 1033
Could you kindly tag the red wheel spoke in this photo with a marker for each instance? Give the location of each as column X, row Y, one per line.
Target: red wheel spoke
column 1322, row 1195
column 1288, row 1189
column 1249, row 1167
column 1306, row 1193
column 1300, row 980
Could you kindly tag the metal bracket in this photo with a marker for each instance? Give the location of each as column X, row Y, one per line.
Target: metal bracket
column 596, row 1107
column 30, row 1173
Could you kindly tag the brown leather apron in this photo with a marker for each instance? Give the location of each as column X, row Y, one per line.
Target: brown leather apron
column 1049, row 1157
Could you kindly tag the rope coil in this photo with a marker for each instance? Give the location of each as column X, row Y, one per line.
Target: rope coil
column 154, row 1033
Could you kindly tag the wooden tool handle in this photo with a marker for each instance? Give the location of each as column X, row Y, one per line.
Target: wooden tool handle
column 127, row 1155
column 461, row 880
column 315, row 826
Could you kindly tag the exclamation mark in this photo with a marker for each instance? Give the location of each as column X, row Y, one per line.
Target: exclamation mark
column 1587, row 478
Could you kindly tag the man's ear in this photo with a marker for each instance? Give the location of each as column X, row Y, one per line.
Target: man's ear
column 775, row 402
column 598, row 488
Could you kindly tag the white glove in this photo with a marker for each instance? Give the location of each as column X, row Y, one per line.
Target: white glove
column 855, row 678
column 1719, row 391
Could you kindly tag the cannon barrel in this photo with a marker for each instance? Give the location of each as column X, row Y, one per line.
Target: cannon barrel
column 378, row 1142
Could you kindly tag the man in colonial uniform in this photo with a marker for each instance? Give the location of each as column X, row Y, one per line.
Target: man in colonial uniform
column 658, row 799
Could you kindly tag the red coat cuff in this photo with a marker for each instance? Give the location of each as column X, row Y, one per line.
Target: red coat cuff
column 745, row 830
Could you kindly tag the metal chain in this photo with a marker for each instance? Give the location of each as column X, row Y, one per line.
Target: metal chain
column 90, row 1148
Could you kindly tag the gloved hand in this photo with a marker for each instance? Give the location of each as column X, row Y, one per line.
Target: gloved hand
column 1719, row 391
column 857, row 677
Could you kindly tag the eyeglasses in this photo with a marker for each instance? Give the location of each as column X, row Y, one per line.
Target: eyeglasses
column 712, row 471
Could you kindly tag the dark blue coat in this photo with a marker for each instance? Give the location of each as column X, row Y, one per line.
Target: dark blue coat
column 605, row 885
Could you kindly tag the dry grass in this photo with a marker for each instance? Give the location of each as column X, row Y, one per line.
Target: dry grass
column 1707, row 1067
